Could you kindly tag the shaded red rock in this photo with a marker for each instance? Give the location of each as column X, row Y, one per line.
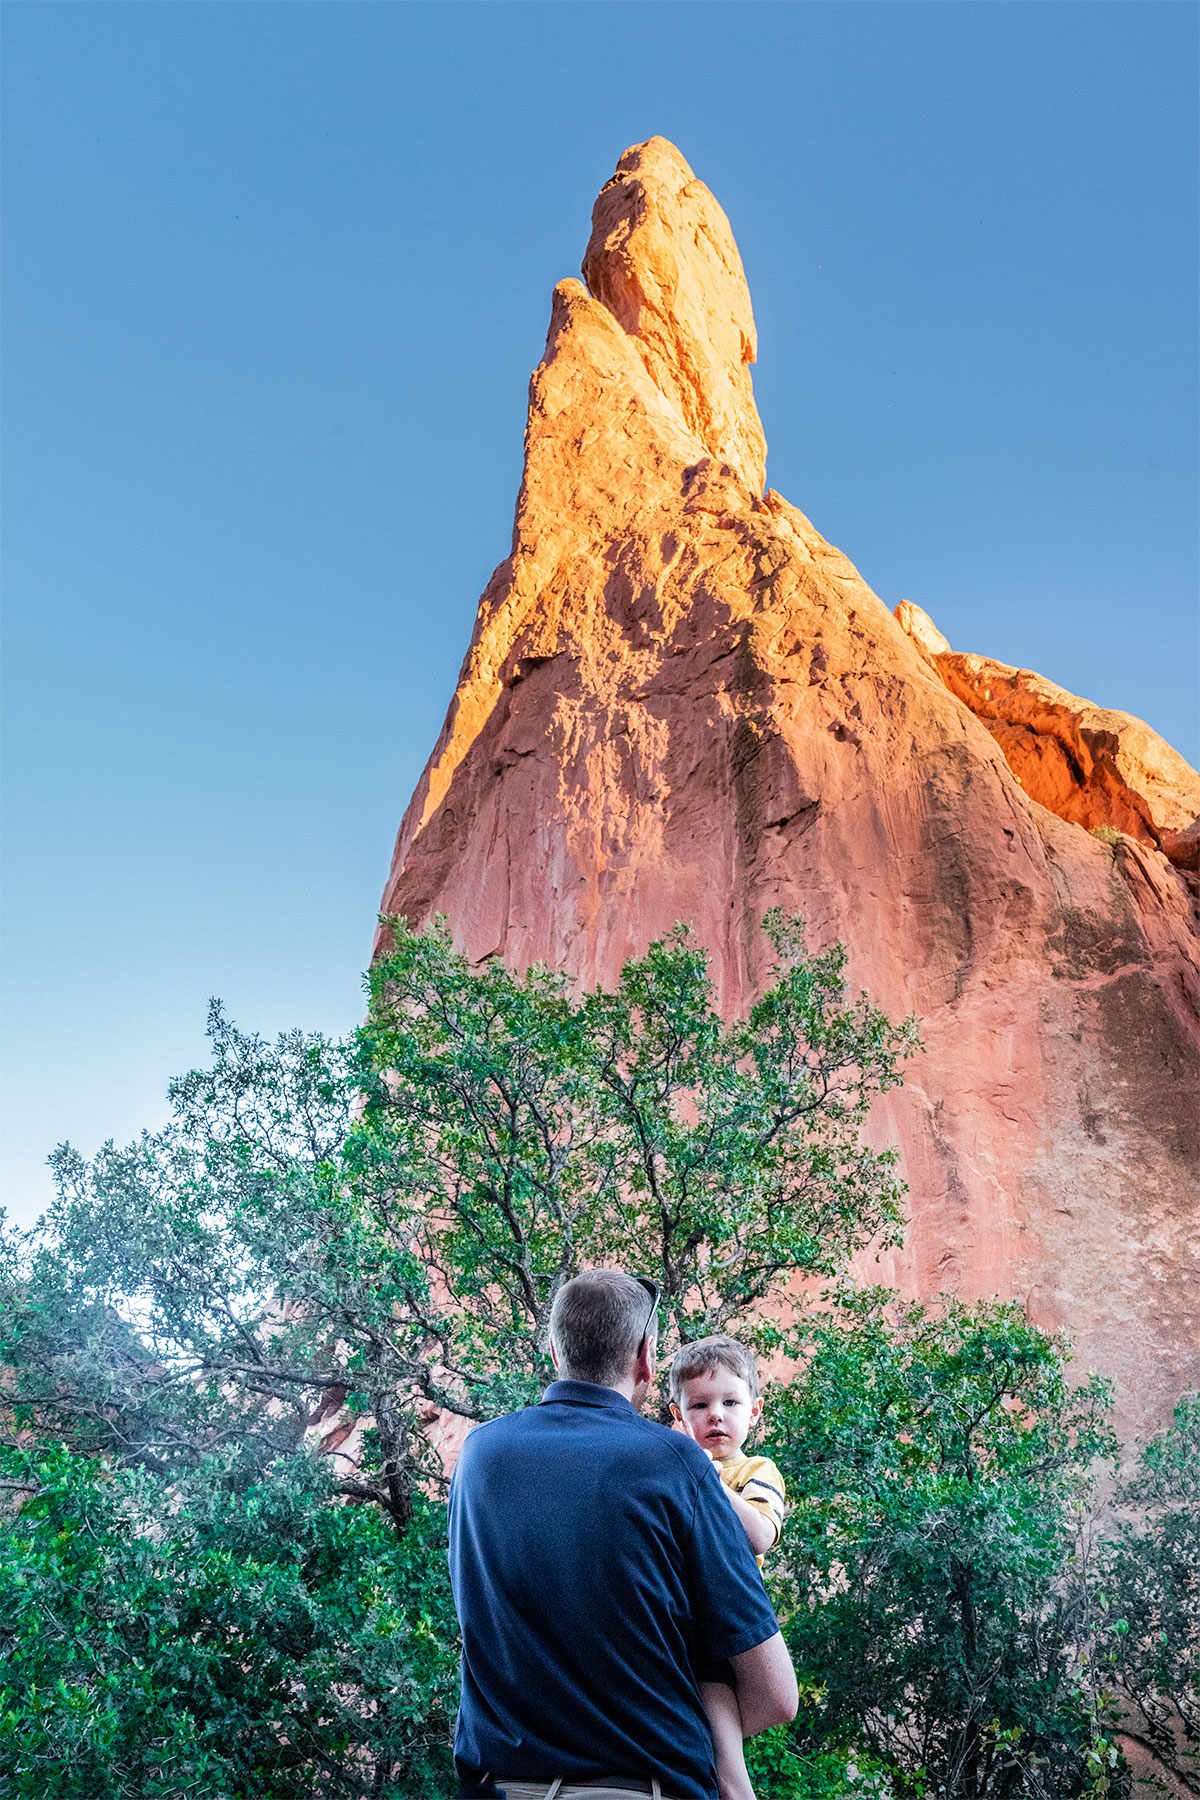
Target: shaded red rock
column 680, row 702
column 1086, row 763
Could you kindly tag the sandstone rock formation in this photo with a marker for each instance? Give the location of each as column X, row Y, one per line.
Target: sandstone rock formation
column 680, row 702
column 1086, row 763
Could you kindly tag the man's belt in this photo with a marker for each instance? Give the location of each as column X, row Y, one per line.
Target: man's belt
column 625, row 1784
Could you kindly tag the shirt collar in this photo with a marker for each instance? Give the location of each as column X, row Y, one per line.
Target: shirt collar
column 586, row 1393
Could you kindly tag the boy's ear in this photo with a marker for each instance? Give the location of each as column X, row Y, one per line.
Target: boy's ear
column 675, row 1412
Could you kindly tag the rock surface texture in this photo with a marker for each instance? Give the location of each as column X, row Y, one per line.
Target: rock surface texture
column 680, row 702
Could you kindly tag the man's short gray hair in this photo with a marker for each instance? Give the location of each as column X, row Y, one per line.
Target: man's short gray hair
column 597, row 1322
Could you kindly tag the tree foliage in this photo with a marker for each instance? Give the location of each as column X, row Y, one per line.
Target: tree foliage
column 219, row 1639
column 541, row 1133
column 327, row 1241
column 1148, row 1576
column 221, row 1564
column 380, row 1225
column 938, row 1459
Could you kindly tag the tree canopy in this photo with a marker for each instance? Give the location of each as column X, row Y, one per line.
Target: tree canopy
column 221, row 1561
column 381, row 1224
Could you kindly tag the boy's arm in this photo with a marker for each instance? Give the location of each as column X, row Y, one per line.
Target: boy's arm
column 761, row 1528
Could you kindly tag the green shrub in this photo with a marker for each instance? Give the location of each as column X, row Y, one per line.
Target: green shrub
column 218, row 1639
column 936, row 1459
column 780, row 1770
column 1148, row 1580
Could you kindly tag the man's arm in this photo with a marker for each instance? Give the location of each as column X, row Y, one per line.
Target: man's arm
column 766, row 1685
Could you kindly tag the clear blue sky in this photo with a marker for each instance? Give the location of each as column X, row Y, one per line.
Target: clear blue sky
column 275, row 278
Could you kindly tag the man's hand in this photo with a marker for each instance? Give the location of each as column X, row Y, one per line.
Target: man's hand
column 766, row 1686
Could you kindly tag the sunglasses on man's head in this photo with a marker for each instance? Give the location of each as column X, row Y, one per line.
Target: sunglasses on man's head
column 655, row 1293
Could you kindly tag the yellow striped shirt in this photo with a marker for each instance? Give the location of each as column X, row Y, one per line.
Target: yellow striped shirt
column 757, row 1481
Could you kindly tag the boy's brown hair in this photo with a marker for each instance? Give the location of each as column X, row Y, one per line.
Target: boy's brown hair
column 708, row 1354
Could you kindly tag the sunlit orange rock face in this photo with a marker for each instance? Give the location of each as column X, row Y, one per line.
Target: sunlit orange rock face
column 680, row 702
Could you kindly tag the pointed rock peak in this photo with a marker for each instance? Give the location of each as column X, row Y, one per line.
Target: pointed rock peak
column 921, row 629
column 663, row 260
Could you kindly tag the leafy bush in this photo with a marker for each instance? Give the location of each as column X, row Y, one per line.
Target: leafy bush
column 218, row 1639
column 936, row 1459
column 380, row 1225
column 247, row 1318
column 1148, row 1576
column 222, row 1572
column 780, row 1770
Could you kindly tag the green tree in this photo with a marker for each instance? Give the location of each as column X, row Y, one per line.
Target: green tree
column 1148, row 1576
column 217, row 1638
column 937, row 1460
column 221, row 1521
column 330, row 1238
column 540, row 1132
column 380, row 1225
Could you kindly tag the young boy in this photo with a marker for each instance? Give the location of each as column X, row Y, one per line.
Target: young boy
column 715, row 1397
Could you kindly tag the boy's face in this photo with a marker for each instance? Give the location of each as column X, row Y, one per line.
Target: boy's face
column 716, row 1409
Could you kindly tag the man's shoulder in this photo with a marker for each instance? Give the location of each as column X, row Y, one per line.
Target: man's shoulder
column 495, row 1431
column 678, row 1446
column 661, row 1441
column 668, row 1462
column 653, row 1444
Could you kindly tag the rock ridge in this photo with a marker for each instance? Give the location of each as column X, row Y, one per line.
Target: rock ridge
column 1089, row 764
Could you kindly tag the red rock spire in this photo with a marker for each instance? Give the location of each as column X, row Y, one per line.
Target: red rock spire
column 680, row 702
column 662, row 259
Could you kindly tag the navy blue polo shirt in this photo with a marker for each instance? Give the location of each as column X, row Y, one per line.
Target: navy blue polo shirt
column 596, row 1565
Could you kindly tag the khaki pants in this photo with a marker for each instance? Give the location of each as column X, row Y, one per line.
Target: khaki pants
column 567, row 1790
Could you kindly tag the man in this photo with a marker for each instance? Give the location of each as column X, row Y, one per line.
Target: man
column 597, row 1569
